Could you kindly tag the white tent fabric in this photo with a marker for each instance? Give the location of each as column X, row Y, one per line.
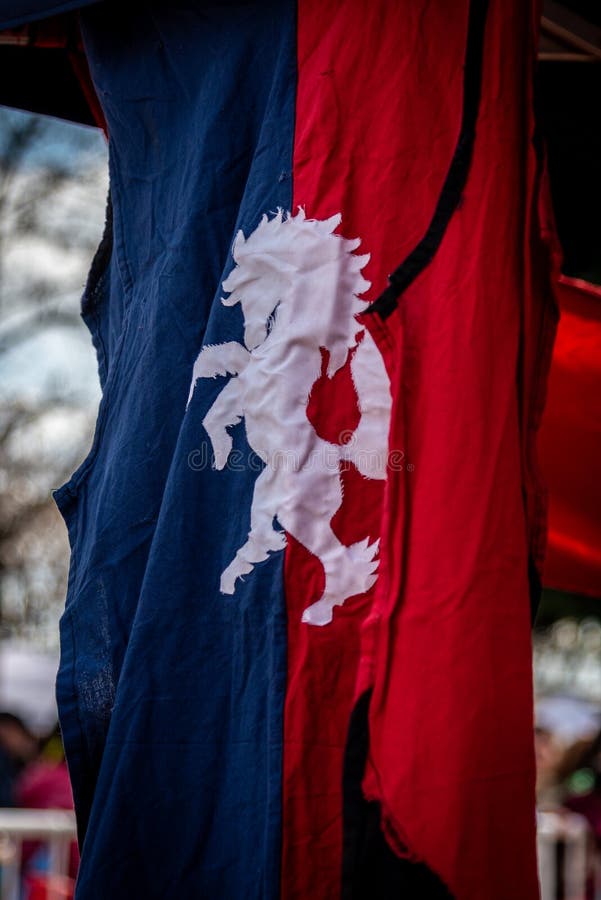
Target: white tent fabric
column 27, row 679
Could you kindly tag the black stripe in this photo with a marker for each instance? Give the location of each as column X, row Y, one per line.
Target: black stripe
column 423, row 254
column 370, row 869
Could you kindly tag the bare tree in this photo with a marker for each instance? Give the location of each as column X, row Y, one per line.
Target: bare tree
column 52, row 197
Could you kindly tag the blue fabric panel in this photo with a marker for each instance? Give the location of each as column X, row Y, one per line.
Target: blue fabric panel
column 171, row 694
column 19, row 13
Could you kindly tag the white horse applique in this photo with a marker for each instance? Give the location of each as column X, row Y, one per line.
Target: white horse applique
column 298, row 284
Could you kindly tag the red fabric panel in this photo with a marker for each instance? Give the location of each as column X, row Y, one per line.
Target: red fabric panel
column 353, row 160
column 570, row 445
column 451, row 717
column 80, row 67
column 447, row 644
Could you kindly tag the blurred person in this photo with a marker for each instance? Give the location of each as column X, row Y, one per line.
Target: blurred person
column 587, row 802
column 44, row 784
column 564, row 729
column 18, row 747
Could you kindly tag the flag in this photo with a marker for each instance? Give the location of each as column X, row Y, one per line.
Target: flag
column 310, row 501
column 571, row 443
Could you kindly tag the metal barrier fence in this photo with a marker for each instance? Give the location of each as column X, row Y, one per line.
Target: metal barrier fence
column 567, row 861
column 55, row 828
column 568, row 866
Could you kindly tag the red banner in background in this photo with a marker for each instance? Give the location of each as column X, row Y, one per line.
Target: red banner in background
column 570, row 443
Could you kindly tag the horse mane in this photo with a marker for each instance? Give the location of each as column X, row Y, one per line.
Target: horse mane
column 286, row 248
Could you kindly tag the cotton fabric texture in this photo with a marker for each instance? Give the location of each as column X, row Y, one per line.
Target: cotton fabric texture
column 243, row 571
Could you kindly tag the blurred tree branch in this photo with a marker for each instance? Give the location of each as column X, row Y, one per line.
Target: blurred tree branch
column 52, row 192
